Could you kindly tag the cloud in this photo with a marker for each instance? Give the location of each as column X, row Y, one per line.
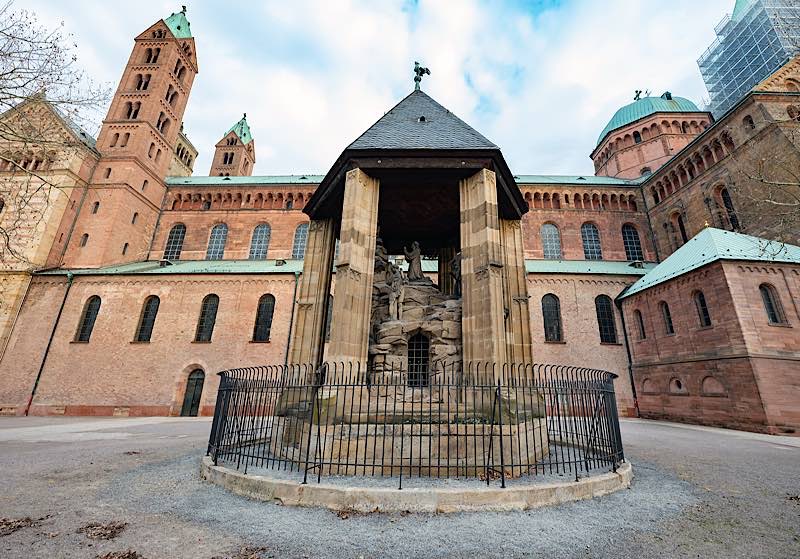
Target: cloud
column 540, row 78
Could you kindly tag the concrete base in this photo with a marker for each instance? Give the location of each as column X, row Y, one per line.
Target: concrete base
column 425, row 500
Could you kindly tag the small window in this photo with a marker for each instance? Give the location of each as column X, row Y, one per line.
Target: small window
column 772, row 304
column 108, row 173
column 217, row 241
column 114, row 140
column 633, row 246
column 637, row 138
column 702, row 309
column 676, row 386
column 645, row 172
column 134, row 218
column 748, row 123
column 84, row 239
column 260, row 242
column 147, row 319
column 637, row 316
column 300, row 239
column 605, row 319
column 95, row 207
column 88, row 318
column 418, row 360
column 551, row 241
column 551, row 315
column 124, row 249
column 144, row 185
column 591, row 242
column 174, row 246
column 667, row 316
column 266, row 308
column 682, row 228
column 208, row 317
column 733, row 219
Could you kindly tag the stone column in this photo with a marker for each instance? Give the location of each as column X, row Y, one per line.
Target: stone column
column 518, row 328
column 483, row 308
column 314, row 286
column 352, row 301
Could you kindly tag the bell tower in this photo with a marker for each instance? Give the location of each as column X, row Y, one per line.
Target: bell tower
column 118, row 213
column 235, row 153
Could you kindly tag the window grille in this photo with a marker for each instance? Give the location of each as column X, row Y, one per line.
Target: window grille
column 216, row 242
column 300, row 239
column 90, row 311
column 551, row 314
column 148, row 319
column 208, row 317
column 174, row 246
column 266, row 308
column 591, row 242
column 605, row 319
column 260, row 242
column 633, row 246
column 551, row 241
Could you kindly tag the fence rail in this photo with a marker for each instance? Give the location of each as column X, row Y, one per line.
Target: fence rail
column 476, row 420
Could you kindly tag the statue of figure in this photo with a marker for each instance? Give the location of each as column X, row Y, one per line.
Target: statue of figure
column 414, row 259
column 455, row 273
column 396, row 293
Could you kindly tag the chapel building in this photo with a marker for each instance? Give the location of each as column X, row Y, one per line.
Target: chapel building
column 140, row 281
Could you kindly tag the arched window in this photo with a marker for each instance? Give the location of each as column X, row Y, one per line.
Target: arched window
column 772, row 304
column 260, row 242
column 148, row 319
column 134, row 218
column 729, row 209
column 637, row 138
column 194, row 389
column 637, row 316
column 216, row 242
column 591, row 242
column 125, row 249
column 300, row 238
column 208, row 317
column 748, row 123
column 418, row 360
column 551, row 315
column 95, row 207
column 633, row 246
column 702, row 308
column 645, row 172
column 605, row 319
column 667, row 316
column 84, row 239
column 174, row 246
column 88, row 318
column 682, row 228
column 266, row 307
column 551, row 241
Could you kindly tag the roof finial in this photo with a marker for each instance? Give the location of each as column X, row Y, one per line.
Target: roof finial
column 183, row 9
column 419, row 71
column 245, row 116
column 637, row 94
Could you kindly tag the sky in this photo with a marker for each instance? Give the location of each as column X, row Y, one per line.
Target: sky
column 539, row 78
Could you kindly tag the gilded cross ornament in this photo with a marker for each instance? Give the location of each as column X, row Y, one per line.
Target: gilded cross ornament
column 419, row 71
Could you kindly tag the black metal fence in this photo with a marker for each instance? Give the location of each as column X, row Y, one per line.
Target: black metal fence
column 475, row 420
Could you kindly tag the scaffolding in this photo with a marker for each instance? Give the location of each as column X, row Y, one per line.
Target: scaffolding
column 756, row 40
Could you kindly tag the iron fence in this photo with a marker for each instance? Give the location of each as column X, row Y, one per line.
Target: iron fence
column 475, row 420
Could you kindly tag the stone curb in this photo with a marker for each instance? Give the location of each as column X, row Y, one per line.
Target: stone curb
column 426, row 500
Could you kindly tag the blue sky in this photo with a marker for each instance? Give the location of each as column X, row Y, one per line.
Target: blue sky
column 540, row 78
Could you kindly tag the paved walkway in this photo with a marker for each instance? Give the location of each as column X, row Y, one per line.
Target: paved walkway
column 698, row 492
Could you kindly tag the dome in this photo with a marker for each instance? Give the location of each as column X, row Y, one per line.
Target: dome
column 647, row 106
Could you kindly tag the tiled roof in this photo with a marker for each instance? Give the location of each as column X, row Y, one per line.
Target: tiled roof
column 711, row 245
column 179, row 25
column 233, row 181
column 242, row 129
column 574, row 179
column 419, row 122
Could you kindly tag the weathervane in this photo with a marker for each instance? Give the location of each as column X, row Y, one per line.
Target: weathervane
column 419, row 71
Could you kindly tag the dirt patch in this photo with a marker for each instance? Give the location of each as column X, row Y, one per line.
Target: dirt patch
column 100, row 531
column 248, row 552
column 11, row 525
column 128, row 554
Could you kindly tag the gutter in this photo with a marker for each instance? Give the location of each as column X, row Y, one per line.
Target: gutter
column 618, row 304
column 291, row 319
column 70, row 278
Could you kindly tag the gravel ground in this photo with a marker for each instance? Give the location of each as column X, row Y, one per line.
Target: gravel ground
column 697, row 493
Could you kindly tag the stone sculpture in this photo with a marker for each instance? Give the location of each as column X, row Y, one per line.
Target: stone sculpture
column 414, row 259
column 455, row 273
column 396, row 292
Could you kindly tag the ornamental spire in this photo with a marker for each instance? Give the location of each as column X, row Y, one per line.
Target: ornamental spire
column 419, row 71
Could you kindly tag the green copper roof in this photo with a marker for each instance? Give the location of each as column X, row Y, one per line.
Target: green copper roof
column 574, row 179
column 179, row 25
column 237, row 181
column 605, row 267
column 739, row 9
column 645, row 107
column 242, row 130
column 710, row 245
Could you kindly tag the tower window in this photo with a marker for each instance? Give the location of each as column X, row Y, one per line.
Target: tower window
column 108, row 173
column 263, row 325
column 667, row 316
column 418, row 360
column 125, row 139
column 134, row 218
column 682, row 229
column 637, row 137
column 114, row 140
column 748, row 123
column 95, row 207
column 551, row 315
column 174, row 246
column 702, row 309
column 591, row 242
column 144, row 185
column 551, row 241
column 772, row 304
column 633, row 246
column 147, row 319
column 217, row 241
column 605, row 319
column 733, row 219
column 260, row 242
column 300, row 239
column 124, row 249
column 208, row 318
column 84, row 239
column 88, row 318
column 637, row 315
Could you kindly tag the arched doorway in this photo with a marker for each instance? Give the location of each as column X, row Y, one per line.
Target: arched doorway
column 194, row 389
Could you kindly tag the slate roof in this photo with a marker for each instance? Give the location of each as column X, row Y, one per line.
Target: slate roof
column 711, row 245
column 404, row 127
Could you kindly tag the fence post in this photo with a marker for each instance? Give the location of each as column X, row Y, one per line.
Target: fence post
column 314, row 403
column 499, row 399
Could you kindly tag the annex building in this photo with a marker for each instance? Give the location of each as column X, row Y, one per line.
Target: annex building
column 139, row 280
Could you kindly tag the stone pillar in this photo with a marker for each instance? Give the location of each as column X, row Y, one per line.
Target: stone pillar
column 352, row 301
column 483, row 300
column 307, row 341
column 518, row 328
column 446, row 283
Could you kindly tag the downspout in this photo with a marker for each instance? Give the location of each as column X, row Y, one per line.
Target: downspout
column 618, row 303
column 291, row 319
column 70, row 277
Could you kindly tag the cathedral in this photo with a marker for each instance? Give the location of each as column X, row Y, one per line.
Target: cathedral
column 139, row 280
